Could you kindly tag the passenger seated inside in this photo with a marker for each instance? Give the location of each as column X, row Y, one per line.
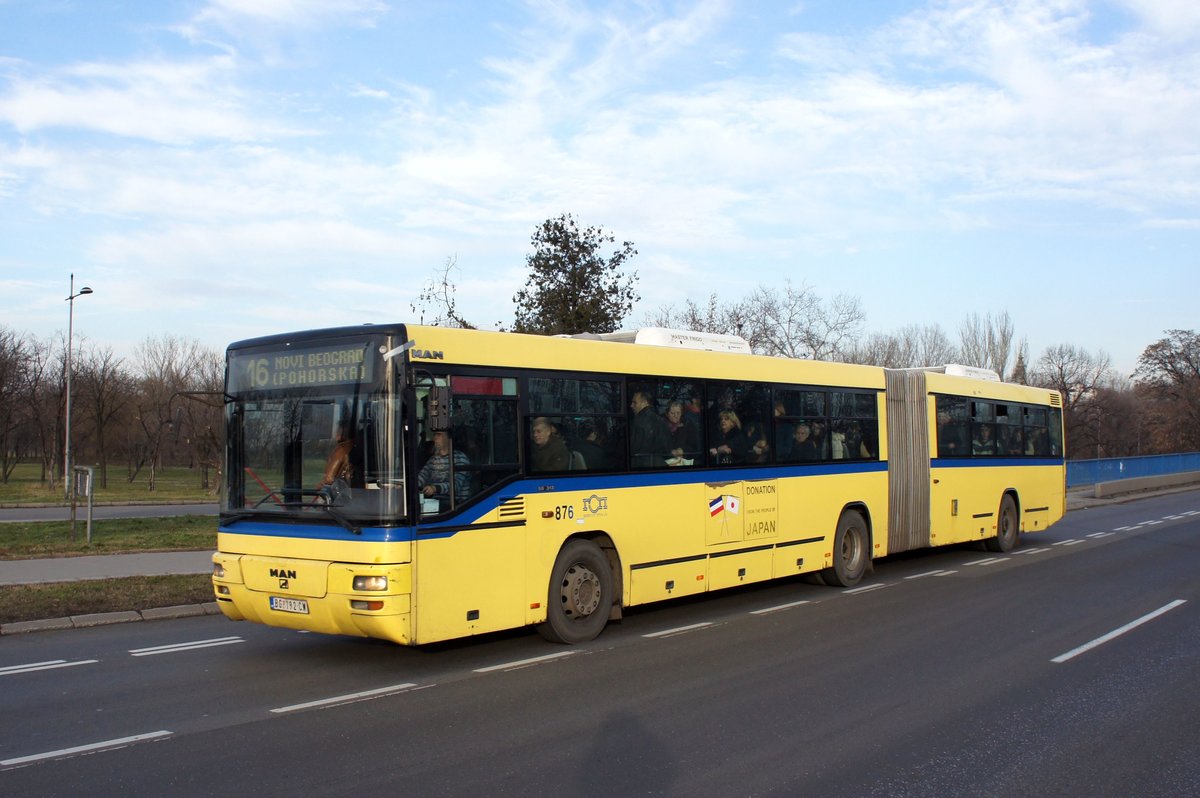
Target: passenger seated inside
column 848, row 441
column 984, row 442
column 731, row 445
column 951, row 437
column 550, row 452
column 756, row 438
column 590, row 444
column 684, row 437
column 804, row 446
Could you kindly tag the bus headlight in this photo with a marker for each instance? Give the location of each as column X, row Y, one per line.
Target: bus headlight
column 371, row 583
column 219, row 570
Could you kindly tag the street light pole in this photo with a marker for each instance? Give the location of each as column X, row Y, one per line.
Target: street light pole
column 67, row 479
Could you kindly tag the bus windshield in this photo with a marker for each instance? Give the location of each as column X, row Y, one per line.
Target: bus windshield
column 326, row 452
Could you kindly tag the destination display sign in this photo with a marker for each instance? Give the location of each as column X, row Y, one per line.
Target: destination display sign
column 294, row 367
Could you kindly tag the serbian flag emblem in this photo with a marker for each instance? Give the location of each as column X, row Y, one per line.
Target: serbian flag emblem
column 716, row 506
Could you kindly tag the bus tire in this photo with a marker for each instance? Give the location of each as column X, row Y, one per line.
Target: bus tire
column 851, row 551
column 580, row 598
column 1008, row 531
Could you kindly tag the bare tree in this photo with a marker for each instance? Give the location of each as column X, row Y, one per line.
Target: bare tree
column 105, row 387
column 13, row 440
column 1020, row 372
column 164, row 367
column 1168, row 376
column 987, row 342
column 913, row 346
column 200, row 415
column 793, row 323
column 1077, row 375
column 727, row 318
column 797, row 323
column 437, row 299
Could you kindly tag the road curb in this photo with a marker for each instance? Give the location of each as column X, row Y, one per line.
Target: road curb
column 106, row 618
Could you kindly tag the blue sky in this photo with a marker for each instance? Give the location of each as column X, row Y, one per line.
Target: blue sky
column 226, row 169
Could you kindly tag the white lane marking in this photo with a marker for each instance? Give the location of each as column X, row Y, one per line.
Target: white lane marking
column 1069, row 542
column 1038, row 550
column 679, row 630
column 1097, row 535
column 866, row 588
column 44, row 666
column 1153, row 523
column 120, row 742
column 927, row 573
column 779, row 607
column 1192, row 512
column 1075, row 652
column 349, row 698
column 521, row 663
column 1124, row 528
column 1173, row 518
column 988, row 561
column 175, row 647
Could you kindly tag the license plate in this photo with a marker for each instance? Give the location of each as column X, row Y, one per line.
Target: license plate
column 289, row 605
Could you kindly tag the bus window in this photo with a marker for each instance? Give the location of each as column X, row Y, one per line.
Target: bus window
column 574, row 425
column 854, row 430
column 1011, row 438
column 953, row 439
column 983, row 429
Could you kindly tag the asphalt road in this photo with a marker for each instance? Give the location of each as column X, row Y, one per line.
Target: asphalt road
column 27, row 514
column 1066, row 668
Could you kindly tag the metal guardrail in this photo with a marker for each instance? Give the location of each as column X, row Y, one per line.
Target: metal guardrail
column 1112, row 469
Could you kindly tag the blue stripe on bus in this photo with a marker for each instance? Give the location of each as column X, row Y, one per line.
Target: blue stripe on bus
column 560, row 483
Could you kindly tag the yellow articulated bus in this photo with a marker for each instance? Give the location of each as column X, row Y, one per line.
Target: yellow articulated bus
column 418, row 484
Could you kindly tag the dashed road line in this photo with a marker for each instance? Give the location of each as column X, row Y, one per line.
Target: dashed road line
column 1075, row 652
column 191, row 646
column 1037, row 550
column 779, row 607
column 106, row 745
column 522, row 663
column 349, row 698
column 44, row 666
column 679, row 630
column 927, row 573
column 988, row 561
column 1068, row 542
column 854, row 591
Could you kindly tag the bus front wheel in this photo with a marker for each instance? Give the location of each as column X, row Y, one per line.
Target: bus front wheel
column 580, row 595
column 1008, row 532
column 851, row 551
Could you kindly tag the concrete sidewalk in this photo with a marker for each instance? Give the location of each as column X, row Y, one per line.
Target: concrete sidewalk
column 104, row 566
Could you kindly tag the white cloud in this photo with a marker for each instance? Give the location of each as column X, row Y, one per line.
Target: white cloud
column 168, row 102
column 232, row 15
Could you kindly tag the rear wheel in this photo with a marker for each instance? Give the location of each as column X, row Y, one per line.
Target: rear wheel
column 1008, row 531
column 850, row 551
column 580, row 595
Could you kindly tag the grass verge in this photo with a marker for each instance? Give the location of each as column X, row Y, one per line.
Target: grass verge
column 62, row 599
column 109, row 536
column 174, row 484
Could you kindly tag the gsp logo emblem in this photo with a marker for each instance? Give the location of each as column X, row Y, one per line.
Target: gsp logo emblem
column 595, row 504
